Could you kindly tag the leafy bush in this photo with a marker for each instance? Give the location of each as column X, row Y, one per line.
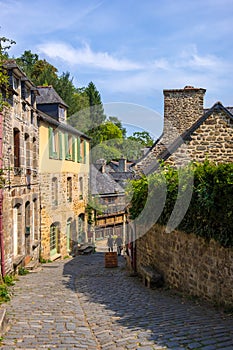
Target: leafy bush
column 9, row 280
column 210, row 212
column 22, row 271
column 4, row 293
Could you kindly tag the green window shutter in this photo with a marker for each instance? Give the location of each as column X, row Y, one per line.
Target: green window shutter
column 60, row 146
column 78, row 150
column 67, row 146
column 50, row 142
column 73, row 148
column 85, row 151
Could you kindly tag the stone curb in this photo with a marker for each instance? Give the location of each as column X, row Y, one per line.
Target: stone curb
column 3, row 320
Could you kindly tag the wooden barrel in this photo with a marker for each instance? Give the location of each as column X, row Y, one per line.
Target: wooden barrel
column 111, row 259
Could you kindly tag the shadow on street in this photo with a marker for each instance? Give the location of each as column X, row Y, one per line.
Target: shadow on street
column 111, row 295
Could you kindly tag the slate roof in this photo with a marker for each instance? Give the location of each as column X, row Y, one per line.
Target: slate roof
column 103, row 184
column 61, row 126
column 49, row 96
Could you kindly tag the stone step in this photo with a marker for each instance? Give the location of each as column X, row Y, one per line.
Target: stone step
column 32, row 265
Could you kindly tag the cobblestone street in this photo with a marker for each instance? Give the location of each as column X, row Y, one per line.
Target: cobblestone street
column 79, row 304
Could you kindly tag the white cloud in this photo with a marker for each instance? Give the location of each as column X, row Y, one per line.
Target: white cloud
column 85, row 56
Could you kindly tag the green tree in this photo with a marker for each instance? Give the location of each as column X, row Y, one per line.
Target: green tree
column 118, row 123
column 65, row 88
column 39, row 71
column 97, row 115
column 27, row 61
column 5, row 45
column 105, row 151
column 131, row 149
column 44, row 73
column 107, row 131
column 142, row 137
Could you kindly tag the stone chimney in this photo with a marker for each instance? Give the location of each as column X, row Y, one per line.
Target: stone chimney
column 182, row 108
column 101, row 165
column 122, row 165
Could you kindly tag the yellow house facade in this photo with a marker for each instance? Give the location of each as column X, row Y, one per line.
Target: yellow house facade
column 64, row 176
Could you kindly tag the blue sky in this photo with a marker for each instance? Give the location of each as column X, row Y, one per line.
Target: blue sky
column 130, row 49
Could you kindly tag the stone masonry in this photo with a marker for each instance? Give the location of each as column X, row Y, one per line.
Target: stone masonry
column 190, row 133
column 21, row 190
column 62, row 211
column 188, row 263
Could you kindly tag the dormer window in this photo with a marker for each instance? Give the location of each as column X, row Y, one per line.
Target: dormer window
column 61, row 114
column 15, row 83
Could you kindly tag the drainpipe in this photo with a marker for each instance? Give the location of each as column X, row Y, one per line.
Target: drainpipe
column 1, row 204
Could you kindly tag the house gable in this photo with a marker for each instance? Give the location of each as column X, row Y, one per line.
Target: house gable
column 210, row 137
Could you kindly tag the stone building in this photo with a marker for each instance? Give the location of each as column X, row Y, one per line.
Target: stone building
column 108, row 198
column 64, row 172
column 19, row 161
column 190, row 133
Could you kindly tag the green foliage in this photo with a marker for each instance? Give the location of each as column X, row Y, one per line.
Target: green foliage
column 130, row 149
column 97, row 115
column 142, row 137
column 5, row 45
column 9, row 280
column 104, row 151
column 118, row 123
column 22, row 271
column 210, row 213
column 4, row 293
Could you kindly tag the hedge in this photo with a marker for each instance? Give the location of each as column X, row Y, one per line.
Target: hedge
column 210, row 210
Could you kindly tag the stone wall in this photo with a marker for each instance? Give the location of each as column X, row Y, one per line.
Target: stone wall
column 21, row 187
column 62, row 212
column 189, row 264
column 212, row 140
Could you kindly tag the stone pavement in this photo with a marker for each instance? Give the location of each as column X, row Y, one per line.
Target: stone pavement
column 79, row 304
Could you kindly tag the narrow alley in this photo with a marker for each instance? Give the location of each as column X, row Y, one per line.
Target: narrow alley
column 79, row 304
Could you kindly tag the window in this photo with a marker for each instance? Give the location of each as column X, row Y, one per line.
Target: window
column 54, row 191
column 16, row 148
column 15, row 83
column 80, row 185
column 27, row 228
column 82, row 150
column 68, row 146
column 60, row 136
column 27, row 151
column 53, row 143
column 34, row 234
column 69, row 189
column 27, row 218
column 34, row 156
column 61, row 114
column 81, row 233
column 16, row 229
column 32, row 117
column 70, row 141
column 79, row 158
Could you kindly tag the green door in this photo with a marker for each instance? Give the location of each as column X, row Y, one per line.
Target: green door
column 68, row 225
column 53, row 239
